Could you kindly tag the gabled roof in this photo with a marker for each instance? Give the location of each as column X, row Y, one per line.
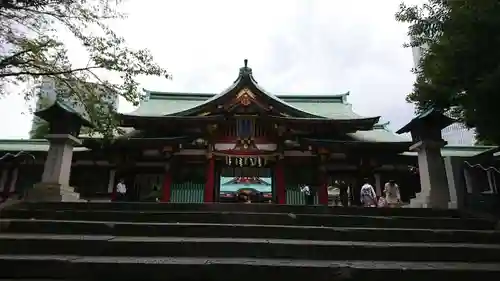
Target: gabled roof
column 431, row 116
column 246, row 80
column 60, row 109
column 299, row 106
column 170, row 103
column 330, row 109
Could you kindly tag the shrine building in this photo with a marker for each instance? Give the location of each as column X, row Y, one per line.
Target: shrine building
column 195, row 148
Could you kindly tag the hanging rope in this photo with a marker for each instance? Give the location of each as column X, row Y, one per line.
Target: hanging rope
column 490, row 168
column 19, row 154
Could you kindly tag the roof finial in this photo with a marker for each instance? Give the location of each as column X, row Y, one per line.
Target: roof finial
column 245, row 71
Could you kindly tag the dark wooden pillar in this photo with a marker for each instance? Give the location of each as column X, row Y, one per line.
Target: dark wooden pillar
column 167, row 184
column 10, row 180
column 210, row 180
column 322, row 177
column 323, row 187
column 279, row 174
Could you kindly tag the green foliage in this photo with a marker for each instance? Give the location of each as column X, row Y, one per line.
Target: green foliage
column 40, row 130
column 31, row 50
column 460, row 71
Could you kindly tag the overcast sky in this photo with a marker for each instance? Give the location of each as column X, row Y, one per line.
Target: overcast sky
column 293, row 46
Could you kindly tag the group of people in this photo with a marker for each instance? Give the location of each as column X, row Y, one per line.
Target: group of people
column 390, row 196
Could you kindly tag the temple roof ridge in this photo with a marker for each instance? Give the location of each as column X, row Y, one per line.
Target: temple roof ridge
column 245, row 80
column 316, row 106
column 206, row 95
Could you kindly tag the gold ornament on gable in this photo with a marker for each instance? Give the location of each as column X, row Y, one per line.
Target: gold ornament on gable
column 245, row 97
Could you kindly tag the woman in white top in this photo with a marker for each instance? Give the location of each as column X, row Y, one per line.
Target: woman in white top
column 309, row 197
column 392, row 195
column 368, row 196
column 121, row 190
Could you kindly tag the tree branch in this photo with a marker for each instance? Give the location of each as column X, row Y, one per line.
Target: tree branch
column 9, row 59
column 48, row 73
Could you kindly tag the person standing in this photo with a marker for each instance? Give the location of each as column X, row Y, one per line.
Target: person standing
column 344, row 196
column 154, row 195
column 392, row 195
column 121, row 190
column 367, row 195
column 308, row 194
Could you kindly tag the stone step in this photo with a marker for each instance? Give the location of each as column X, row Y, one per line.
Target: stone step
column 224, row 269
column 253, row 218
column 105, row 245
column 248, row 231
column 230, row 207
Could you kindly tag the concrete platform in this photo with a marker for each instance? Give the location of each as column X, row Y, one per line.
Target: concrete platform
column 104, row 245
column 159, row 229
column 260, row 218
column 178, row 268
column 149, row 241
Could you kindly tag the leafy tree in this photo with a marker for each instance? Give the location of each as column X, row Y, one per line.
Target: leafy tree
column 460, row 70
column 31, row 51
column 40, row 129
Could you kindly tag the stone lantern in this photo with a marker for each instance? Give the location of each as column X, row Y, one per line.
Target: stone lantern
column 427, row 141
column 65, row 124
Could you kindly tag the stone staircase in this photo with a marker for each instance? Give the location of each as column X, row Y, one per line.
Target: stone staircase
column 148, row 241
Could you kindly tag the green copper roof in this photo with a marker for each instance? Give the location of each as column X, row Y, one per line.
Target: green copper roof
column 379, row 134
column 329, row 106
column 246, row 80
column 430, row 116
column 297, row 106
column 158, row 104
column 47, row 112
column 33, row 145
column 166, row 103
column 39, row 145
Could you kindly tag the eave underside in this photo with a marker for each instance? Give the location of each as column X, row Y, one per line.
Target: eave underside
column 149, row 122
column 145, row 122
column 334, row 145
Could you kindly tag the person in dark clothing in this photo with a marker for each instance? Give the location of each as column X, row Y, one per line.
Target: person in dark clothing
column 243, row 198
column 344, row 196
column 154, row 195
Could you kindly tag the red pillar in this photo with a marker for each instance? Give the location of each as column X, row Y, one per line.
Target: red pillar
column 167, row 183
column 280, row 182
column 323, row 189
column 9, row 177
column 210, row 184
column 113, row 194
column 113, row 191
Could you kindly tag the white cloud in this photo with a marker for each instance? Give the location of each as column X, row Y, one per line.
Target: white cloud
column 293, row 46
